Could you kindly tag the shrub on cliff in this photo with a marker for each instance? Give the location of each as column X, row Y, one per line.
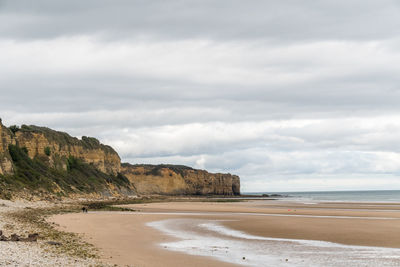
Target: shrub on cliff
column 37, row 176
column 14, row 128
column 90, row 142
column 28, row 173
column 73, row 163
column 27, row 128
column 25, row 150
column 47, row 151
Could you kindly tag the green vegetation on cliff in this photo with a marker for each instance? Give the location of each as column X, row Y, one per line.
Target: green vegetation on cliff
column 62, row 138
column 155, row 170
column 37, row 177
column 40, row 162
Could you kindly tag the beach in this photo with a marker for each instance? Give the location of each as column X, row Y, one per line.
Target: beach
column 249, row 233
column 38, row 253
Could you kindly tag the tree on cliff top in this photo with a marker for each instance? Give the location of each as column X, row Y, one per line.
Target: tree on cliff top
column 14, row 128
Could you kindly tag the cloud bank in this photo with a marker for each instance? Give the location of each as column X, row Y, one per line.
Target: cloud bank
column 289, row 95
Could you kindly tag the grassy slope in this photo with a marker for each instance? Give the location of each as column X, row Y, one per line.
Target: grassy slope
column 155, row 170
column 37, row 177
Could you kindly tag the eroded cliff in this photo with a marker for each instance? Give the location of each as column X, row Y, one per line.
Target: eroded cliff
column 58, row 146
column 6, row 166
column 40, row 162
column 179, row 180
column 45, row 160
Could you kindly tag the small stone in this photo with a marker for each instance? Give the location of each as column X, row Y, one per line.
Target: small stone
column 244, row 258
column 32, row 237
column 54, row 243
column 15, row 237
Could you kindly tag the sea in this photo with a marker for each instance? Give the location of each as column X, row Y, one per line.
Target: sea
column 212, row 238
column 346, row 196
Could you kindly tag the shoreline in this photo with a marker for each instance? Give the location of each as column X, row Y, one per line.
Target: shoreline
column 134, row 244
column 22, row 217
column 122, row 234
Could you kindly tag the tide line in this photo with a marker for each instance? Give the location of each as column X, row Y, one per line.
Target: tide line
column 246, row 214
column 211, row 238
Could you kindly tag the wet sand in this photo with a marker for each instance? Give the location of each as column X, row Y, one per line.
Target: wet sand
column 125, row 238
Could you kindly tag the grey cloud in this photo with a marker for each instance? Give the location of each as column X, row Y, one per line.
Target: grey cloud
column 287, row 94
column 274, row 20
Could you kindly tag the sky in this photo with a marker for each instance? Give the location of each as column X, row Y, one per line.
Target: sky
column 289, row 95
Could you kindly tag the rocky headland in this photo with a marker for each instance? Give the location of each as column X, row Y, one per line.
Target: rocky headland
column 179, row 180
column 41, row 161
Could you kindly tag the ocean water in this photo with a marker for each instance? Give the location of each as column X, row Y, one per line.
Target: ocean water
column 350, row 196
column 211, row 238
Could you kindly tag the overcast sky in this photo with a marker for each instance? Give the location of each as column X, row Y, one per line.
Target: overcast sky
column 290, row 95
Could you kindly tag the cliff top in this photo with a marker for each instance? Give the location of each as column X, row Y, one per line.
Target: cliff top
column 154, row 168
column 62, row 138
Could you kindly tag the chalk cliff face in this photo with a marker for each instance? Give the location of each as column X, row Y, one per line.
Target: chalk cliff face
column 59, row 146
column 179, row 180
column 6, row 166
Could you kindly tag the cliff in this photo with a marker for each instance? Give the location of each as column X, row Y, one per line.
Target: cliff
column 58, row 146
column 38, row 161
column 44, row 160
column 6, row 166
column 179, row 180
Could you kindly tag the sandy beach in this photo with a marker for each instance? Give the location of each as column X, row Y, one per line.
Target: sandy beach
column 31, row 253
column 156, row 233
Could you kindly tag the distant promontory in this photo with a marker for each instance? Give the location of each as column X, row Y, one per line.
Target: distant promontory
column 38, row 161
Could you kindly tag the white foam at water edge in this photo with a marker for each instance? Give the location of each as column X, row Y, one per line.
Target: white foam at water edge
column 211, row 238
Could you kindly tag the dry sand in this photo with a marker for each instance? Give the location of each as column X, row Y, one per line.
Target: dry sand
column 125, row 239
column 30, row 253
